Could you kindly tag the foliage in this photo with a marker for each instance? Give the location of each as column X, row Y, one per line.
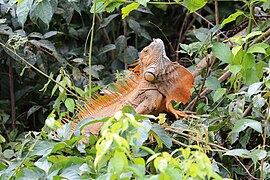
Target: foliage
column 118, row 153
column 44, row 73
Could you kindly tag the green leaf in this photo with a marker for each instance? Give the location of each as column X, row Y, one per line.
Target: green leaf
column 22, row 11
column 231, row 18
column 194, row 5
column 2, row 139
column 118, row 162
column 242, row 124
column 143, row 2
column 252, row 89
column 42, row 148
column 212, row 83
column 61, row 162
column 126, row 10
column 219, row 93
column 43, row 11
column 256, row 49
column 8, row 153
column 251, row 76
column 235, row 69
column 252, row 34
column 106, row 48
column 2, row 166
column 222, row 52
column 70, row 105
column 237, row 152
column 31, row 173
column 248, row 61
column 43, row 164
column 160, row 132
column 99, row 7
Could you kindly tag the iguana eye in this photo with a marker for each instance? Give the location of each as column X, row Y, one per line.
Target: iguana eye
column 149, row 76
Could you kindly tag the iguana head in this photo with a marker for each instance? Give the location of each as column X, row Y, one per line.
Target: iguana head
column 153, row 59
column 152, row 53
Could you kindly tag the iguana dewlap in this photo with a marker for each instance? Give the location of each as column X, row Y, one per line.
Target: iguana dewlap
column 158, row 82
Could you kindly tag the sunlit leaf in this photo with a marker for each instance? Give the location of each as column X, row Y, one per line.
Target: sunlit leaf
column 43, row 11
column 70, row 105
column 231, row 18
column 242, row 124
column 194, row 5
column 160, row 132
column 219, row 93
column 212, row 83
column 126, row 10
column 222, row 52
column 235, row 69
column 23, row 9
column 252, row 89
column 237, row 152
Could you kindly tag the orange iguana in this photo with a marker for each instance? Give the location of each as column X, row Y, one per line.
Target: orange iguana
column 150, row 91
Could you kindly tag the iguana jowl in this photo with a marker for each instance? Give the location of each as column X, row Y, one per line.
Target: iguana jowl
column 151, row 91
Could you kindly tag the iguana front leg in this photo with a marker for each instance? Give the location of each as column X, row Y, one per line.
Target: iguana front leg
column 175, row 112
column 150, row 101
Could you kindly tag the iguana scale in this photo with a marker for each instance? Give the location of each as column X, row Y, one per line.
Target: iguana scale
column 157, row 82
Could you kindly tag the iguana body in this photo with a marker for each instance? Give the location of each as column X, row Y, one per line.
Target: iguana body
column 158, row 82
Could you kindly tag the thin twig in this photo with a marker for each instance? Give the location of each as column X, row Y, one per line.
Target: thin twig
column 39, row 71
column 207, row 91
column 90, row 48
column 245, row 168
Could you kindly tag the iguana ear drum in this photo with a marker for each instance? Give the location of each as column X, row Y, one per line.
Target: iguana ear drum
column 149, row 76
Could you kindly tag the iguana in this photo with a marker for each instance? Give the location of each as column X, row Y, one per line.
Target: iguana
column 156, row 81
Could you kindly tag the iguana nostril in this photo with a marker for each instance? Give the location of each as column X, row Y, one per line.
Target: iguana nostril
column 149, row 76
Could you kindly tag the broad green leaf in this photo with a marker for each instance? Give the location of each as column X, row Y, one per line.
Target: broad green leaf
column 2, row 139
column 71, row 172
column 143, row 2
column 231, row 18
column 105, row 22
column 126, row 10
column 252, row 34
column 50, row 120
column 43, row 11
column 260, row 69
column 242, row 124
column 8, row 153
column 252, row 89
column 160, row 132
column 256, row 49
column 23, row 9
column 61, row 162
column 70, row 105
column 118, row 162
column 2, row 166
column 137, row 169
column 219, row 93
column 99, row 7
column 248, row 61
column 251, row 76
column 222, row 52
column 106, row 48
column 42, row 148
column 43, row 164
column 260, row 154
column 31, row 173
column 237, row 152
column 212, row 83
column 236, row 49
column 235, row 69
column 194, row 5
